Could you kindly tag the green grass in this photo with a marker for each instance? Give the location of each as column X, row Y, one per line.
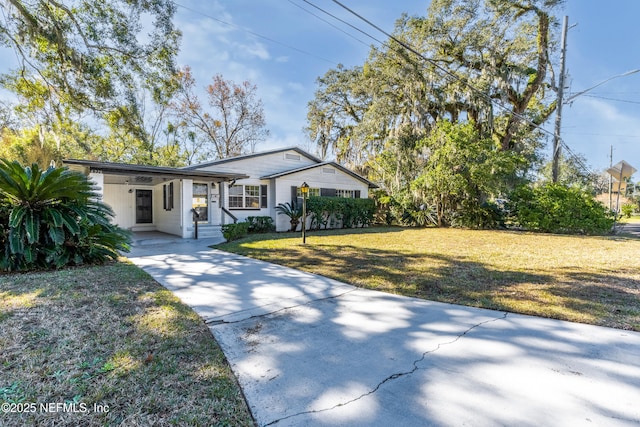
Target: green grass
column 634, row 219
column 110, row 335
column 593, row 280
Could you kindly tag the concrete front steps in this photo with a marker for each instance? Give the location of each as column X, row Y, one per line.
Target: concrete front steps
column 208, row 231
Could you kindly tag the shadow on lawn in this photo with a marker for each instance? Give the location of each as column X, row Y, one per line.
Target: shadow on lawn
column 607, row 299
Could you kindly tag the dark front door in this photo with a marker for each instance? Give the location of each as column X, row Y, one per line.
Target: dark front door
column 143, row 207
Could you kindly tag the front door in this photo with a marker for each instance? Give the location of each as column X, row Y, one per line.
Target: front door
column 144, row 211
column 201, row 201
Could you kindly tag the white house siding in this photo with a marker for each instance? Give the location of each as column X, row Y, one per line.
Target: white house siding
column 168, row 221
column 315, row 178
column 262, row 165
column 122, row 202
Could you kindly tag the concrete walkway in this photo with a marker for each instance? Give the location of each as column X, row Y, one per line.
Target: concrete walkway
column 309, row 351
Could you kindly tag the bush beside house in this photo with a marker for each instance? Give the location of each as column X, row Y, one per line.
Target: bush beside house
column 53, row 218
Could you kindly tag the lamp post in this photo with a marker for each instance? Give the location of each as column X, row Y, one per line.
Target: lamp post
column 304, row 188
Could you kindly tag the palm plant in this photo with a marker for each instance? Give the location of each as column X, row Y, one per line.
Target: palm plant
column 293, row 210
column 53, row 218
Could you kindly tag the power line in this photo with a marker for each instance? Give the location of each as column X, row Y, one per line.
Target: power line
column 444, row 70
column 466, row 83
column 329, row 23
column 253, row 33
column 613, row 99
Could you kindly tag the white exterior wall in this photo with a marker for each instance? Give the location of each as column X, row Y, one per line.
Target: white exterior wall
column 122, row 202
column 257, row 166
column 168, row 221
column 315, row 178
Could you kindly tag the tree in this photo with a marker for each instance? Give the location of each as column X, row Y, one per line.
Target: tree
column 232, row 124
column 481, row 63
column 463, row 171
column 573, row 173
column 86, row 56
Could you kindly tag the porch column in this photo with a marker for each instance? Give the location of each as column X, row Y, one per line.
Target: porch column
column 186, row 203
column 98, row 180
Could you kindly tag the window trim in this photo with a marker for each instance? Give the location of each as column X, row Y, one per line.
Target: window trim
column 262, row 197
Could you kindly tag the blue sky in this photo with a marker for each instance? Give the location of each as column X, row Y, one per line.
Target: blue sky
column 604, row 43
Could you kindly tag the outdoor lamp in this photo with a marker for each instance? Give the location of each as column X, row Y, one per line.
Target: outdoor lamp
column 304, row 189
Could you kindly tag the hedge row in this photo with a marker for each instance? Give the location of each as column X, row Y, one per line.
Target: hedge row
column 335, row 212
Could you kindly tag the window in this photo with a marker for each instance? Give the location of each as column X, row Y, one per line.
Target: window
column 313, row 192
column 248, row 196
column 350, row 194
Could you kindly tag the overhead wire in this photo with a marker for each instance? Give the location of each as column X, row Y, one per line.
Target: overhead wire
column 612, row 99
column 253, row 33
column 463, row 81
column 327, row 22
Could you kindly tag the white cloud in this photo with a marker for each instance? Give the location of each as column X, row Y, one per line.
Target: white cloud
column 592, row 125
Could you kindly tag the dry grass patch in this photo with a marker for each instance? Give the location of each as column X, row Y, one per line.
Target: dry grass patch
column 110, row 336
column 584, row 279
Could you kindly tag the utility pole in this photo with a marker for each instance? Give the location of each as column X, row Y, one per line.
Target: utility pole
column 556, row 134
column 610, row 179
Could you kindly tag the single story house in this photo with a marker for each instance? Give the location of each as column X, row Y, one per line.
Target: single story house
column 149, row 198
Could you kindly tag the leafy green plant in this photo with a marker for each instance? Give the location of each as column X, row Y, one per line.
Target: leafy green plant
column 293, row 210
column 485, row 216
column 235, row 231
column 351, row 212
column 419, row 216
column 555, row 208
column 261, row 224
column 627, row 210
column 53, row 217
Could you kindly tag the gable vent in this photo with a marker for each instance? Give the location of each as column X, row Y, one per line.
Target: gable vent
column 329, row 170
column 290, row 156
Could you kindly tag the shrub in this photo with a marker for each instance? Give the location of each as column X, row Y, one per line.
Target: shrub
column 627, row 210
column 351, row 212
column 472, row 215
column 235, row 231
column 53, row 218
column 555, row 208
column 293, row 211
column 419, row 216
column 261, row 224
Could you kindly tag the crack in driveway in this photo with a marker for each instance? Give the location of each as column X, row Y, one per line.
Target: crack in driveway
column 393, row 376
column 217, row 321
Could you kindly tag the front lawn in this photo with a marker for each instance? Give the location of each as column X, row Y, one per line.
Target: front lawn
column 107, row 345
column 592, row 280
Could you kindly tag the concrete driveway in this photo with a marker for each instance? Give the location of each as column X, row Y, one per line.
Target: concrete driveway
column 310, row 351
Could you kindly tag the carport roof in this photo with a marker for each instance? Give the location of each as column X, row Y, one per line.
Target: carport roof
column 156, row 173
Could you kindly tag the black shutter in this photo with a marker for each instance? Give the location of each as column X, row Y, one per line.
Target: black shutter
column 263, row 196
column 164, row 197
column 170, row 201
column 328, row 192
column 357, row 194
column 294, row 194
